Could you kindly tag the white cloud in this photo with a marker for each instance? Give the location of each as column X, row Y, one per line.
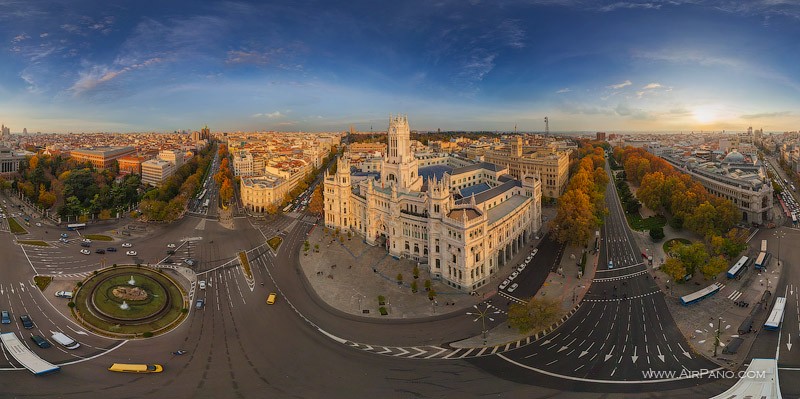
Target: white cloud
column 270, row 115
column 623, row 4
column 20, row 37
column 564, row 90
column 43, row 35
column 99, row 74
column 651, row 86
column 620, row 85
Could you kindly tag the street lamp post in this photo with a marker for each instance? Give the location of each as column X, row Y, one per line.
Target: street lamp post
column 716, row 336
column 779, row 234
column 482, row 315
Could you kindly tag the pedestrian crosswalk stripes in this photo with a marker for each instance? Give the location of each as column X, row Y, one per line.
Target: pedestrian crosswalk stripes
column 734, row 296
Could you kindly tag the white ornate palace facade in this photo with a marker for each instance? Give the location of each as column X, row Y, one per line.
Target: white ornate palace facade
column 464, row 225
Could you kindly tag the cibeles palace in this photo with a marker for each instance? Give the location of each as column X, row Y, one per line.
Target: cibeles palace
column 463, row 222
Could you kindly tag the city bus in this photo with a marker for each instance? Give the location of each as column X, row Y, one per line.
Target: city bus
column 205, row 203
column 737, row 268
column 776, row 317
column 700, row 295
column 762, row 257
column 202, row 194
column 136, row 368
column 76, row 226
column 286, row 209
column 763, row 245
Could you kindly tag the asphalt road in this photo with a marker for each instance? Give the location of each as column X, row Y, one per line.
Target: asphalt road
column 238, row 346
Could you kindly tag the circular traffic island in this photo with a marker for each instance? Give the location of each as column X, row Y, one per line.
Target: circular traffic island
column 129, row 302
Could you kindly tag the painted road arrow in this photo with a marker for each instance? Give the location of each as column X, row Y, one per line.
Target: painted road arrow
column 660, row 356
column 684, row 352
column 634, row 357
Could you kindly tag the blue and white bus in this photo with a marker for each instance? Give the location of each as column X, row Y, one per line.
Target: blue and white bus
column 737, row 268
column 76, row 226
column 776, row 317
column 761, row 260
column 700, row 295
column 763, row 245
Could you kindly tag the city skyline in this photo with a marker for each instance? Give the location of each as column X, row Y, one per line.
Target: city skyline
column 617, row 66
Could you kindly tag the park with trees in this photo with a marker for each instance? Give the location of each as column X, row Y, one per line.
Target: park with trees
column 688, row 205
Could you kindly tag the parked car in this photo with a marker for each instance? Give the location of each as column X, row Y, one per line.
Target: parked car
column 5, row 317
column 64, row 294
column 26, row 321
column 190, row 262
column 521, row 267
column 514, row 274
column 513, row 287
column 100, row 251
column 170, row 252
column 505, row 283
column 170, row 245
column 40, row 342
column 64, row 235
column 611, row 264
column 87, row 240
column 202, row 284
column 168, row 261
column 38, row 224
column 126, row 245
column 111, row 249
column 131, row 253
column 86, row 252
column 86, row 244
column 200, row 303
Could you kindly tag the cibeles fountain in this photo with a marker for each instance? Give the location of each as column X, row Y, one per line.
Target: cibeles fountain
column 131, row 301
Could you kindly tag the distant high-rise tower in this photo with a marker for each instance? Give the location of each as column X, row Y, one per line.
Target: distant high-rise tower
column 546, row 126
column 5, row 131
column 24, row 130
column 516, row 147
column 352, row 129
column 205, row 133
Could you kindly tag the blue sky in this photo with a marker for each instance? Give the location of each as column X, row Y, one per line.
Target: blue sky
column 673, row 65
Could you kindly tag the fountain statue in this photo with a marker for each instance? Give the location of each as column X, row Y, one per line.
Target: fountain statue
column 131, row 281
column 124, row 305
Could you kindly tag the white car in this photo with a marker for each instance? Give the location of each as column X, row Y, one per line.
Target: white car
column 130, row 253
column 64, row 294
column 202, row 284
column 528, row 259
column 513, row 287
column 505, row 283
column 86, row 240
column 514, row 275
column 86, row 252
column 170, row 245
column 535, row 251
column 521, row 267
column 126, row 245
column 38, row 224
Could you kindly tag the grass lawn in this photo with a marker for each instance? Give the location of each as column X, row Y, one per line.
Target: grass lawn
column 98, row 237
column 637, row 223
column 275, row 242
column 15, row 227
column 246, row 264
column 34, row 242
column 42, row 281
column 668, row 245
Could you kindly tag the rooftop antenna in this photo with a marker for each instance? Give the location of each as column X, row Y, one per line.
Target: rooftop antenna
column 546, row 127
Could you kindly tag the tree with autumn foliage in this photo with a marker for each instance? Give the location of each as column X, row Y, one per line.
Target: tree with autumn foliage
column 316, row 205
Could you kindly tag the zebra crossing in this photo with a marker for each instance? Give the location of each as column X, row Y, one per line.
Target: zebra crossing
column 734, row 296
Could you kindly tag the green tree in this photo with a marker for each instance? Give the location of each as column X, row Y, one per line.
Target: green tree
column 536, row 314
column 657, row 233
column 692, row 256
